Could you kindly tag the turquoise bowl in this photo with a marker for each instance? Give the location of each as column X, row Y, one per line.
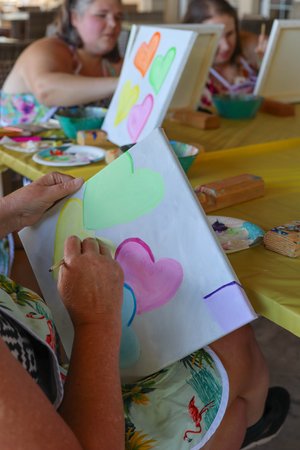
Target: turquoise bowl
column 185, row 153
column 237, row 106
column 76, row 119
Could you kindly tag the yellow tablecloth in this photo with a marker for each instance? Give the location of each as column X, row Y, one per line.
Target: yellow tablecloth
column 272, row 281
column 237, row 133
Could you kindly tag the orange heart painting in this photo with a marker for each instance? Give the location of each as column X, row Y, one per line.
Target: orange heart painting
column 145, row 54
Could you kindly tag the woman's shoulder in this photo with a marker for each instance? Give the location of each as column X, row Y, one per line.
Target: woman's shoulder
column 48, row 45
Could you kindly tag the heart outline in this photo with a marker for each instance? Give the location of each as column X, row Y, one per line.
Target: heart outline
column 160, row 69
column 154, row 283
column 127, row 99
column 146, row 53
column 138, row 117
column 107, row 202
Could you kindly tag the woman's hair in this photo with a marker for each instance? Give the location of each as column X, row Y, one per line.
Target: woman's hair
column 67, row 32
column 200, row 10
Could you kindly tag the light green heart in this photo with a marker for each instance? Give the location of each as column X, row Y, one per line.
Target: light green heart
column 160, row 69
column 127, row 98
column 70, row 222
column 119, row 194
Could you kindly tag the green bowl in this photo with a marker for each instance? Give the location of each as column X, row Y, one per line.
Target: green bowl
column 185, row 153
column 73, row 120
column 237, row 106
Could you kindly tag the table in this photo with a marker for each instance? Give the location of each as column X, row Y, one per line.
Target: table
column 237, row 133
column 272, row 281
column 23, row 164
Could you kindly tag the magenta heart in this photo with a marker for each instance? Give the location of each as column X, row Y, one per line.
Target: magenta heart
column 154, row 283
column 138, row 117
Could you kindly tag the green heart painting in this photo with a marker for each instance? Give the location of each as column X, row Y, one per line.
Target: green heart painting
column 160, row 69
column 119, row 194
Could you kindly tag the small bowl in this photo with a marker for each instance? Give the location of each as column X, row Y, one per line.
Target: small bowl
column 75, row 119
column 185, row 153
column 237, row 106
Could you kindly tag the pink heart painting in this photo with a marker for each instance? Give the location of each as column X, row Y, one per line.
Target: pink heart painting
column 154, row 282
column 138, row 117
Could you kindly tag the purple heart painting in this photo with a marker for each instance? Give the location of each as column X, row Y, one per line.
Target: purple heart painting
column 154, row 283
column 138, row 117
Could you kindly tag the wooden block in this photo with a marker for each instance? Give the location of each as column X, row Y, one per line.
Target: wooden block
column 276, row 108
column 229, row 191
column 196, row 119
column 91, row 137
column 284, row 239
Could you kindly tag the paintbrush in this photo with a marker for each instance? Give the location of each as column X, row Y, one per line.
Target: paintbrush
column 263, row 29
column 56, row 265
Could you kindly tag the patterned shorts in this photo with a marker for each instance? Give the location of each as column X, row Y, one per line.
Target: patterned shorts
column 178, row 408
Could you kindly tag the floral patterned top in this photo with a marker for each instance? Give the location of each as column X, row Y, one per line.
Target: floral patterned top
column 22, row 109
column 25, row 309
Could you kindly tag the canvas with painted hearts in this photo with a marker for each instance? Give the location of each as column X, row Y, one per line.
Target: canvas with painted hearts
column 151, row 71
column 180, row 292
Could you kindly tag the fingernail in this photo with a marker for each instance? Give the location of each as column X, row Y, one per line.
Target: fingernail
column 78, row 181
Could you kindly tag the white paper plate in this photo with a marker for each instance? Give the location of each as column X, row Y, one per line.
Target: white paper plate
column 72, row 155
column 27, row 147
column 235, row 234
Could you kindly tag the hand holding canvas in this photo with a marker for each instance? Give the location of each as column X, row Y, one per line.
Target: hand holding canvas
column 26, row 206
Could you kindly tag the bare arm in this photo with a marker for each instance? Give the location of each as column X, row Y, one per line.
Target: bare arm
column 46, row 69
column 90, row 283
column 28, row 420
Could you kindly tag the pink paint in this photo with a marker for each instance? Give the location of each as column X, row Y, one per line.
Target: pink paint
column 138, row 117
column 154, row 283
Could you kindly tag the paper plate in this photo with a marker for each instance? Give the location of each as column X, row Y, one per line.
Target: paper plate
column 72, row 155
column 25, row 147
column 235, row 234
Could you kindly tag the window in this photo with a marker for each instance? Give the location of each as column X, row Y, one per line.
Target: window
column 276, row 9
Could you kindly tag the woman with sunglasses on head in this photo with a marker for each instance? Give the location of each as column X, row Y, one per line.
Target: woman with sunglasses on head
column 76, row 66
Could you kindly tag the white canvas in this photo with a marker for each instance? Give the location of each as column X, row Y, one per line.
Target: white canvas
column 154, row 61
column 180, row 291
column 278, row 76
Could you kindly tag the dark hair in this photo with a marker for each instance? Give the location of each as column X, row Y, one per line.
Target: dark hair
column 64, row 29
column 200, row 10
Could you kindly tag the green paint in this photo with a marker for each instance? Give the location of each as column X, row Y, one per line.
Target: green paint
column 160, row 69
column 119, row 194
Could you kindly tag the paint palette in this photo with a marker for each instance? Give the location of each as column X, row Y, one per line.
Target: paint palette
column 235, row 234
column 72, row 155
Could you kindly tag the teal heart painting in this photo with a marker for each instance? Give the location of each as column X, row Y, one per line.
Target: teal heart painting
column 160, row 69
column 130, row 346
column 119, row 194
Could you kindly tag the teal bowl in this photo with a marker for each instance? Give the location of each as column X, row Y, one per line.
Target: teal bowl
column 185, row 153
column 73, row 120
column 239, row 106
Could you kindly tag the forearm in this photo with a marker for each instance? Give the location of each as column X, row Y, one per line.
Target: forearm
column 92, row 404
column 9, row 219
column 27, row 415
column 61, row 89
